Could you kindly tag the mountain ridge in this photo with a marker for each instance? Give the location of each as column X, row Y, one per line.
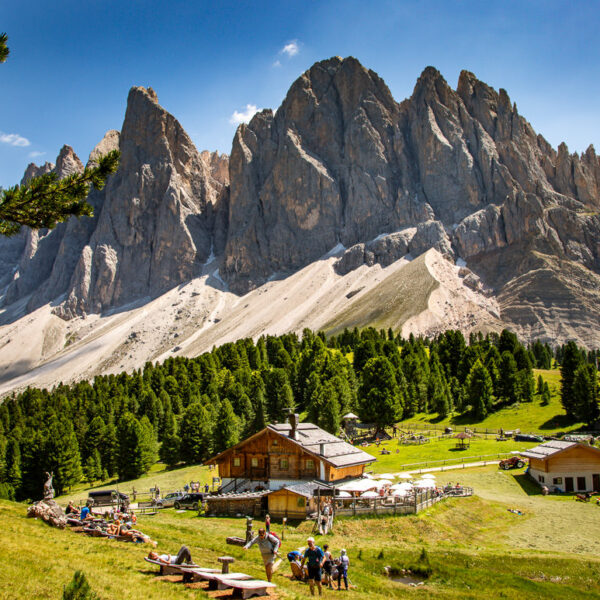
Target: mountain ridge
column 340, row 165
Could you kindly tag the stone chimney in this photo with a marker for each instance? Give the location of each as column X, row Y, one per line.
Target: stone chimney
column 294, row 419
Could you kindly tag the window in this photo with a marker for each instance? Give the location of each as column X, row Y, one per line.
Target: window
column 557, row 481
column 284, row 464
column 541, row 478
column 301, row 502
column 237, row 461
column 254, row 462
column 275, row 442
column 310, row 464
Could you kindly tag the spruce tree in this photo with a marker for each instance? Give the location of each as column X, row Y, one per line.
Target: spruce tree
column 13, row 464
column 79, row 589
column 132, row 457
column 226, row 428
column 571, row 359
column 479, row 390
column 379, row 393
column 63, row 458
column 196, row 434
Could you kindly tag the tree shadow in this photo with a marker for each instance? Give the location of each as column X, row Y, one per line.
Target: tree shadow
column 530, row 487
column 559, row 421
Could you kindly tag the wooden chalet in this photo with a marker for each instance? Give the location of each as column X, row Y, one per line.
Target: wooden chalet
column 284, row 454
column 565, row 466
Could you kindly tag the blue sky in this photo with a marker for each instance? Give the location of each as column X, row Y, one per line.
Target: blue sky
column 72, row 62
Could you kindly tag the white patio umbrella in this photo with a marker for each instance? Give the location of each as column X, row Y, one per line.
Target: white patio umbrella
column 402, row 486
column 385, row 476
column 368, row 476
column 369, row 495
column 428, row 476
column 425, row 483
column 360, row 485
column 383, row 482
column 343, row 494
column 401, row 492
column 405, row 476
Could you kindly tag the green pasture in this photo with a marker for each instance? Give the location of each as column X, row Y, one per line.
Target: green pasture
column 476, row 548
column 529, row 417
column 439, row 452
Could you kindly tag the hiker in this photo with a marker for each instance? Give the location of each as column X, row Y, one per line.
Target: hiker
column 71, row 510
column 268, row 523
column 327, row 566
column 186, row 488
column 182, row 556
column 314, row 556
column 156, row 491
column 268, row 545
column 206, row 488
column 343, row 563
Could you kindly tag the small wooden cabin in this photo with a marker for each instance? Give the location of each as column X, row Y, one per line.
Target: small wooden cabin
column 565, row 466
column 288, row 453
column 295, row 502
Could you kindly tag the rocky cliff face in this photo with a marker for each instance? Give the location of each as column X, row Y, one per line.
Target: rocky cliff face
column 340, row 165
column 153, row 224
column 156, row 224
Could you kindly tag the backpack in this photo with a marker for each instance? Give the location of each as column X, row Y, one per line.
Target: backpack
column 276, row 537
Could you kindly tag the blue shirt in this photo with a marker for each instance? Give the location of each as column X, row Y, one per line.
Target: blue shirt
column 294, row 555
column 85, row 511
column 314, row 556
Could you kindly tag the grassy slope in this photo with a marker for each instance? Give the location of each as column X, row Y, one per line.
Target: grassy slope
column 528, row 417
column 400, row 296
column 167, row 480
column 476, row 547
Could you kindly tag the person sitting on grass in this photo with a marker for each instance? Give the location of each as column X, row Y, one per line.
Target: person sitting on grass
column 268, row 545
column 314, row 556
column 183, row 556
column 86, row 513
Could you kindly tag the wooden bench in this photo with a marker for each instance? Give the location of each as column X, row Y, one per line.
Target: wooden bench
column 185, row 570
column 215, row 580
column 248, row 589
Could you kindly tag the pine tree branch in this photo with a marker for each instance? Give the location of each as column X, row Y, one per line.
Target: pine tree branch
column 4, row 50
column 45, row 201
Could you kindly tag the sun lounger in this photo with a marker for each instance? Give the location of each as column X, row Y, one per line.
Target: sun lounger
column 185, row 569
column 248, row 589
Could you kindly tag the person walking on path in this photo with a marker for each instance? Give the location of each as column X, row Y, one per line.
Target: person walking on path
column 268, row 545
column 343, row 564
column 268, row 523
column 314, row 556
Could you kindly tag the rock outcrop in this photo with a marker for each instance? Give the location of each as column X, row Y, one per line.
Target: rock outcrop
column 341, row 166
column 155, row 227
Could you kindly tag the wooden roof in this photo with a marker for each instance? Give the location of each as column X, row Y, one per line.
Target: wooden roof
column 313, row 440
column 554, row 447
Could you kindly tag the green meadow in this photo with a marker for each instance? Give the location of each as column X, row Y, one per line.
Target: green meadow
column 475, row 548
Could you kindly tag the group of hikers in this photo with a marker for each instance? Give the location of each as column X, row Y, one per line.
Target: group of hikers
column 315, row 565
column 318, row 566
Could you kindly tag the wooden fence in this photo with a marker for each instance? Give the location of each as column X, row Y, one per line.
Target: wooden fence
column 395, row 505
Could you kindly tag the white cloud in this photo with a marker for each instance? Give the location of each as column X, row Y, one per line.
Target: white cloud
column 36, row 154
column 291, row 48
column 14, row 139
column 243, row 117
column 276, row 64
